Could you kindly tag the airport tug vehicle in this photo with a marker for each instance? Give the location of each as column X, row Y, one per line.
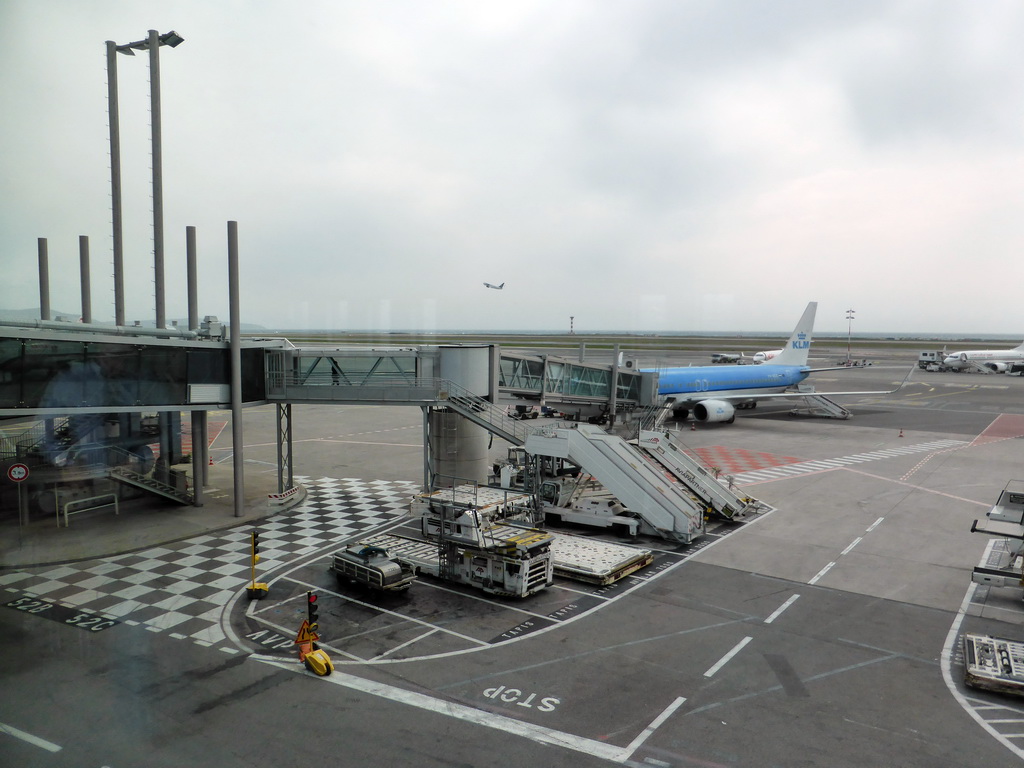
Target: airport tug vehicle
column 373, row 567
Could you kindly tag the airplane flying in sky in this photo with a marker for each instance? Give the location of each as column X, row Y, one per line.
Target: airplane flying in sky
column 995, row 360
column 495, row 287
column 715, row 392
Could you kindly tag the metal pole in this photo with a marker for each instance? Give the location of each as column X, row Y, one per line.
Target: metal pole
column 236, row 368
column 204, row 446
column 158, row 192
column 115, row 182
column 193, row 290
column 849, row 334
column 279, row 410
column 197, row 459
column 427, row 452
column 44, row 280
column 83, row 261
column 613, row 400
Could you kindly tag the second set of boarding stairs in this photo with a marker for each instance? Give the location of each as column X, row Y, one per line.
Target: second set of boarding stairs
column 816, row 404
column 719, row 498
column 663, row 507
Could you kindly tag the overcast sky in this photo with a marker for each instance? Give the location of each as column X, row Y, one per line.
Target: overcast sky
column 639, row 165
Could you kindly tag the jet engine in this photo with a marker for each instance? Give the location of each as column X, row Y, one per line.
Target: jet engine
column 714, row 410
column 997, row 367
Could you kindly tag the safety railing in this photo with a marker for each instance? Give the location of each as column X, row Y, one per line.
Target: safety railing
column 91, row 505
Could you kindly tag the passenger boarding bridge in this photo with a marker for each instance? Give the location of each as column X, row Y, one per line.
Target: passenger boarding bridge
column 83, row 394
column 415, row 375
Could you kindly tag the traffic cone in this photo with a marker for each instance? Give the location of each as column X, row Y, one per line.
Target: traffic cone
column 901, row 432
column 693, row 426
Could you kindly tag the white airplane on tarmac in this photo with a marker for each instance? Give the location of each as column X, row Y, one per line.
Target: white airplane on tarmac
column 994, row 360
column 764, row 357
column 738, row 357
column 495, row 287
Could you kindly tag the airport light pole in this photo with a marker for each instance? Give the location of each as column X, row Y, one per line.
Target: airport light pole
column 849, row 332
column 153, row 44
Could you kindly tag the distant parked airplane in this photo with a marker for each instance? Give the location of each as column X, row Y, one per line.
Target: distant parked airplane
column 768, row 354
column 726, row 357
column 716, row 392
column 995, row 360
column 495, row 287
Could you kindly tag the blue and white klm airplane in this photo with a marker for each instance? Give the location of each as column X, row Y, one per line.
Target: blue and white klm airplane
column 715, row 392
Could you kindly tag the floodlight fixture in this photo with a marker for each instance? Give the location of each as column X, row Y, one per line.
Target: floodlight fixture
column 172, row 39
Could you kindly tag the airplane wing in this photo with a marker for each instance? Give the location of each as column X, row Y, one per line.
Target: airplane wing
column 750, row 396
column 895, row 389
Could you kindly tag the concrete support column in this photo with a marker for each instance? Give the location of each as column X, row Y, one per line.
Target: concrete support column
column 458, row 449
column 115, row 183
column 44, row 280
column 83, row 262
column 192, row 280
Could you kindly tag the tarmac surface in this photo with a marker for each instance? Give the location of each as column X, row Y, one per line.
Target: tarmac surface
column 137, row 525
column 824, row 633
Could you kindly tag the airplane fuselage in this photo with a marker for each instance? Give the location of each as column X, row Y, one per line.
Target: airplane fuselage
column 707, row 382
column 994, row 359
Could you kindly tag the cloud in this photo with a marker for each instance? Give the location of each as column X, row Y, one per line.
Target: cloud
column 643, row 166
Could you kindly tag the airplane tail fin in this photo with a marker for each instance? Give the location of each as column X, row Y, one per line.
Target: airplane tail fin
column 501, row 286
column 799, row 345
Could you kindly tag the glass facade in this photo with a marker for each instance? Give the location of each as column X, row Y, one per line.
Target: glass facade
column 36, row 373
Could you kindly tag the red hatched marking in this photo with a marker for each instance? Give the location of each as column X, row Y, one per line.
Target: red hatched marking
column 741, row 460
column 1006, row 426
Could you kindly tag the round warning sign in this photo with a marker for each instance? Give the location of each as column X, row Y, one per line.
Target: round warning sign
column 17, row 472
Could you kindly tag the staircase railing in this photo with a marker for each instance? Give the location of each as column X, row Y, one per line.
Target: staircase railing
column 482, row 411
column 26, row 442
column 128, row 467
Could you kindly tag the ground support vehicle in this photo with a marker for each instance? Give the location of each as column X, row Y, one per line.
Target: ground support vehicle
column 595, row 510
column 523, row 412
column 479, row 536
column 662, row 507
column 489, row 504
column 500, row 560
column 594, row 561
column 373, row 567
column 994, row 664
column 1006, row 522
